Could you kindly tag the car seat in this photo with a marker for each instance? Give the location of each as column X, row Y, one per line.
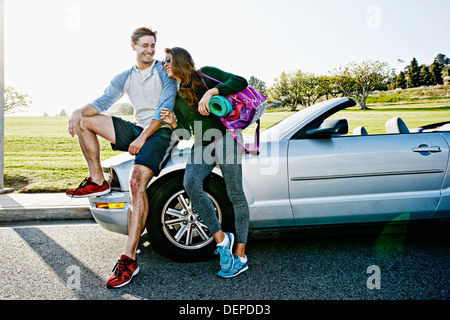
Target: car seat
column 396, row 125
column 360, row 131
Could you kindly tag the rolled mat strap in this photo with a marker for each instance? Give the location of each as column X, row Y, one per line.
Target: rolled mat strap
column 220, row 106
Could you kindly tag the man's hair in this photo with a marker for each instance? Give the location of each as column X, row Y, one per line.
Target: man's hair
column 140, row 32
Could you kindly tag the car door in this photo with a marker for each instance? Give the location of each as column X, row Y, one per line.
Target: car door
column 366, row 178
column 266, row 186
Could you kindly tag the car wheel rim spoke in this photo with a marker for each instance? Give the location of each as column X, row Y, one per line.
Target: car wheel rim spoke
column 178, row 220
column 201, row 231
column 180, row 233
column 188, row 235
column 182, row 225
column 173, row 223
column 182, row 201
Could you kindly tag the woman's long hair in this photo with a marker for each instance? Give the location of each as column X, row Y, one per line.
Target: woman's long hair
column 183, row 67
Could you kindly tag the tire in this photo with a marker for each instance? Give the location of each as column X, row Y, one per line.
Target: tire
column 175, row 230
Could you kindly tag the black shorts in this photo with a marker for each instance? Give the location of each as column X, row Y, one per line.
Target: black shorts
column 155, row 151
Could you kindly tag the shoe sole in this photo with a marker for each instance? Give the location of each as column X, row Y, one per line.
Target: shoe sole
column 125, row 283
column 231, row 252
column 97, row 194
column 235, row 274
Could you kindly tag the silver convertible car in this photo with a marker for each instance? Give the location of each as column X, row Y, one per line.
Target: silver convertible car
column 310, row 173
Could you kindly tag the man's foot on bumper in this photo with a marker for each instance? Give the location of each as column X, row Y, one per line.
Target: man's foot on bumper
column 87, row 188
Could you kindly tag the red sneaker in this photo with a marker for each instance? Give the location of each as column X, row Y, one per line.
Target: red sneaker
column 87, row 188
column 125, row 269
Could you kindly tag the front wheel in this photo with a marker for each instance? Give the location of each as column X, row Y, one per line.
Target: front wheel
column 176, row 230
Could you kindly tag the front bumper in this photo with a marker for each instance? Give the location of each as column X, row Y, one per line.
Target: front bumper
column 115, row 220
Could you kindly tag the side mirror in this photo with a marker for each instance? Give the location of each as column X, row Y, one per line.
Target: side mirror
column 329, row 128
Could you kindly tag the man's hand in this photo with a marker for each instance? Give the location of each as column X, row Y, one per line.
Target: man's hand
column 136, row 146
column 75, row 119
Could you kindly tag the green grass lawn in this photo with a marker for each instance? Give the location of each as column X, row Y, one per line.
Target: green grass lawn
column 414, row 115
column 41, row 156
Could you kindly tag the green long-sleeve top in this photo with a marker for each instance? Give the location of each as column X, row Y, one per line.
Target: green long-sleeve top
column 186, row 117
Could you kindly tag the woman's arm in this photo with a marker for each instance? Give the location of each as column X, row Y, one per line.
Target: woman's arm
column 167, row 117
column 231, row 84
column 203, row 104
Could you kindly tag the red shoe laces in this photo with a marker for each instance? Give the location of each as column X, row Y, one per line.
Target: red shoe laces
column 121, row 266
column 82, row 184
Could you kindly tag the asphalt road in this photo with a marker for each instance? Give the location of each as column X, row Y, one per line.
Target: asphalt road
column 73, row 262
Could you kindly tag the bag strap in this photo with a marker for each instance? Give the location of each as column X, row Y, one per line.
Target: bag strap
column 205, row 75
column 255, row 149
column 256, row 141
column 237, row 110
column 204, row 83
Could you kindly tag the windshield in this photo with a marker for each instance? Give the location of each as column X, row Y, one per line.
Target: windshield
column 284, row 126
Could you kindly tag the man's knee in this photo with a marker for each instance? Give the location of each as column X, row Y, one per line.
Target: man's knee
column 140, row 176
column 101, row 125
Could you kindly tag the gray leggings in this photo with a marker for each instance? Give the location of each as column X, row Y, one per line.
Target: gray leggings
column 227, row 153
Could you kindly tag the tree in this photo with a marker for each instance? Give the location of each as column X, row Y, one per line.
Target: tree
column 16, row 101
column 312, row 88
column 401, row 80
column 286, row 89
column 413, row 74
column 436, row 73
column 298, row 87
column 442, row 60
column 425, row 75
column 294, row 94
column 393, row 82
column 258, row 85
column 329, row 87
column 359, row 80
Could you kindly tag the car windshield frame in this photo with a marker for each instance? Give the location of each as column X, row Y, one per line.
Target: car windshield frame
column 297, row 120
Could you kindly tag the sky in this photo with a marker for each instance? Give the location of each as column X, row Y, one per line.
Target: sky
column 63, row 53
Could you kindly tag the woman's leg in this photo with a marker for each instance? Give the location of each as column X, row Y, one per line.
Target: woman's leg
column 229, row 156
column 196, row 172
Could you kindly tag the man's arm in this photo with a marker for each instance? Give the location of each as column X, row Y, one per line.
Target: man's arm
column 168, row 93
column 137, row 144
column 112, row 93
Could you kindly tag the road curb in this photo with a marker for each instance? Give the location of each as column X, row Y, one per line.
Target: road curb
column 32, row 214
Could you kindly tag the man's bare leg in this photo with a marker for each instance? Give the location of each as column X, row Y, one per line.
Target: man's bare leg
column 137, row 214
column 87, row 132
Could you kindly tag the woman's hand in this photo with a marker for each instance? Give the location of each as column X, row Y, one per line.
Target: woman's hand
column 203, row 104
column 167, row 117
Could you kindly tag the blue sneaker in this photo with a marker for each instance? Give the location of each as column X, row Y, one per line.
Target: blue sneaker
column 226, row 255
column 238, row 268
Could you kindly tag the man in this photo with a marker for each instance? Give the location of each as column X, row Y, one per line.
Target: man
column 149, row 89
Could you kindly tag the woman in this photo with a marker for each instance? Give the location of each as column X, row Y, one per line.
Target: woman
column 192, row 111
